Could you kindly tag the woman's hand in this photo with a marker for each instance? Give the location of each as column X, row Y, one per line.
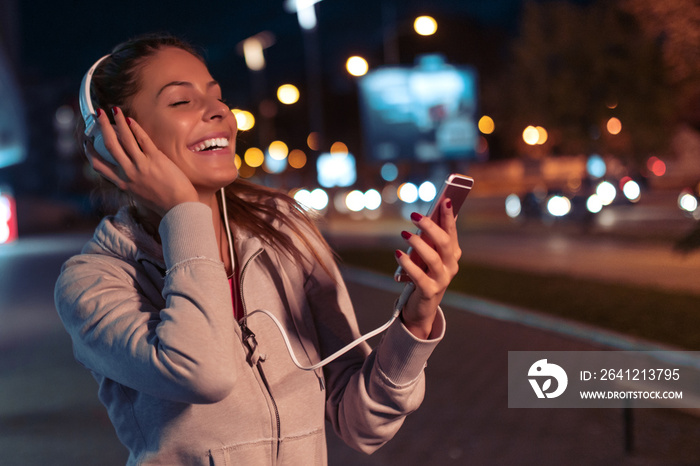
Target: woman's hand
column 142, row 169
column 441, row 259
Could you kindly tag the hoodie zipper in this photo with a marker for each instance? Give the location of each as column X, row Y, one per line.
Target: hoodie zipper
column 251, row 344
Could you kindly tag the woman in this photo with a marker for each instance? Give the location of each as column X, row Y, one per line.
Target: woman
column 160, row 302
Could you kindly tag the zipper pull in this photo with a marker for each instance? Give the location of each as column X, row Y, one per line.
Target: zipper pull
column 250, row 342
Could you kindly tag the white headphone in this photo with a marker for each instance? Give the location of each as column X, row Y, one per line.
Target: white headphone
column 92, row 128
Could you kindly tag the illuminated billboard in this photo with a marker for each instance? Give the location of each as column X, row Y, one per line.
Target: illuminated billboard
column 423, row 113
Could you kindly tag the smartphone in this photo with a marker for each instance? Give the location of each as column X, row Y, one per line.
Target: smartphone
column 456, row 187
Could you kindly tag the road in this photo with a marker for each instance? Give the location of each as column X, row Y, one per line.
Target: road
column 49, row 412
column 628, row 244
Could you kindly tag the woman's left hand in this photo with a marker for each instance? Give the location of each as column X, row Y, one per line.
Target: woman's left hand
column 441, row 259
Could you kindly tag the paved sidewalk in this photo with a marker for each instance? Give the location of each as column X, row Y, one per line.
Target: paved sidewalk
column 465, row 420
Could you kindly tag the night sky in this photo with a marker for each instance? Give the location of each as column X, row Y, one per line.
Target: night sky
column 59, row 40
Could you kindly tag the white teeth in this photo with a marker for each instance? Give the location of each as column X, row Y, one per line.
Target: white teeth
column 218, row 142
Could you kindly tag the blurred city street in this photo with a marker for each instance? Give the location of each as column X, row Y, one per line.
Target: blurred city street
column 578, row 120
column 49, row 412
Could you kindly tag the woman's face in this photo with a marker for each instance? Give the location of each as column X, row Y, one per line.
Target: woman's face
column 179, row 106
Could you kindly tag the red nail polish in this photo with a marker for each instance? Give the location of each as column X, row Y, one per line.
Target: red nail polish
column 115, row 110
column 448, row 203
column 406, row 234
column 98, row 112
column 128, row 121
column 416, row 217
column 398, row 253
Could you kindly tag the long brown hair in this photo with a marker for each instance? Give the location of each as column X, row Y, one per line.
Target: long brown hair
column 253, row 207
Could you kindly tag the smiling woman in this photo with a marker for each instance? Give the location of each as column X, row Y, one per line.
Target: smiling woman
column 161, row 304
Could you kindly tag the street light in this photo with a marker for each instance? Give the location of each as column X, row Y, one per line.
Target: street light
column 288, row 94
column 425, row 25
column 306, row 15
column 357, row 66
column 305, row 10
column 252, row 49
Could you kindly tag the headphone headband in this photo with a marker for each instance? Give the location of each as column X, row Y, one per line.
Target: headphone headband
column 86, row 108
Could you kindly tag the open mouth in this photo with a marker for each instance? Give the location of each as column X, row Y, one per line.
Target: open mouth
column 210, row 145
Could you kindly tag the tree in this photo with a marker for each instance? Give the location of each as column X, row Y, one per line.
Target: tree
column 675, row 25
column 574, row 67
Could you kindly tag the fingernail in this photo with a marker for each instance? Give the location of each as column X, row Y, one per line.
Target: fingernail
column 448, row 203
column 115, row 110
column 416, row 217
column 128, row 121
column 98, row 112
column 406, row 234
column 398, row 253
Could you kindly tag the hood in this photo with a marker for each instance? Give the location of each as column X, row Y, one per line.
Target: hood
column 123, row 237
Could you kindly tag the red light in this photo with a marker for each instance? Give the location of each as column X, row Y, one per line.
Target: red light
column 8, row 219
column 659, row 168
column 656, row 166
column 624, row 181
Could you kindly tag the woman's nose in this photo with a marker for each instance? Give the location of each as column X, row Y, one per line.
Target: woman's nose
column 216, row 109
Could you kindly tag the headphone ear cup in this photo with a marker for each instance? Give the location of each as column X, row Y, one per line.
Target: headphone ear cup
column 99, row 145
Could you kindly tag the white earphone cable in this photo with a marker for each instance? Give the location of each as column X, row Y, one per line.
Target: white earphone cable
column 400, row 303
column 228, row 231
column 408, row 289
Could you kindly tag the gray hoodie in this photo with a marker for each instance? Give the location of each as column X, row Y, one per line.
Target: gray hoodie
column 184, row 383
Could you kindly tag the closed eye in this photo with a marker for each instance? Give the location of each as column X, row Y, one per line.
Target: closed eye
column 179, row 102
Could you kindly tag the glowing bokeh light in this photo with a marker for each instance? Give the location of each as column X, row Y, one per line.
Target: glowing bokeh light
column 274, row 166
column 357, row 66
column 355, row 200
column 558, row 206
column 614, row 126
column 656, row 166
column 408, row 193
column 288, row 94
column 313, row 141
column 372, row 199
column 687, row 202
column 278, row 150
column 631, row 190
column 339, row 148
column 486, row 124
column 244, row 119
column 297, row 158
column 425, row 25
column 593, row 204
column 606, row 192
column 389, row 172
column 513, row 205
column 254, row 157
column 5, row 216
column 541, row 135
column 303, row 197
column 595, row 166
column 318, row 199
column 427, row 191
column 531, row 135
